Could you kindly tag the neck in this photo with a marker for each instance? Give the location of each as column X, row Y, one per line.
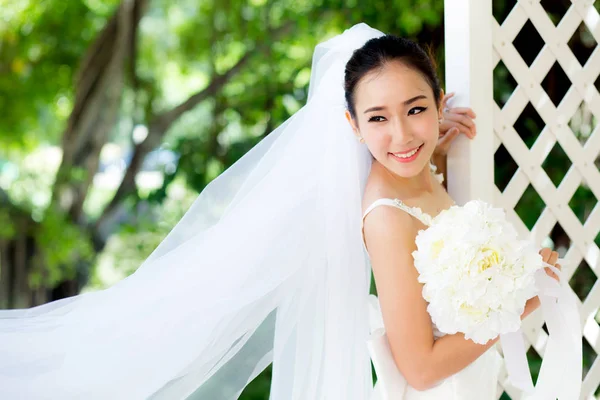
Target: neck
column 423, row 182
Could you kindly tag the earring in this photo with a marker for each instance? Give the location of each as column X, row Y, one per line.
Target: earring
column 361, row 139
column 440, row 120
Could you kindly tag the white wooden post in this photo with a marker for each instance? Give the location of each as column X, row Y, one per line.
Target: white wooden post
column 469, row 73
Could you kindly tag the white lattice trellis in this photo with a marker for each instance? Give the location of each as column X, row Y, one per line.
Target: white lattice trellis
column 529, row 90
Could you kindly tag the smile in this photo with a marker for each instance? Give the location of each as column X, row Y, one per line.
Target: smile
column 407, row 156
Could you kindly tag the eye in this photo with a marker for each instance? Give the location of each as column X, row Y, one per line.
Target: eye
column 416, row 110
column 376, row 118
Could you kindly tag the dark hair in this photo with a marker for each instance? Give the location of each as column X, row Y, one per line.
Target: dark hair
column 379, row 51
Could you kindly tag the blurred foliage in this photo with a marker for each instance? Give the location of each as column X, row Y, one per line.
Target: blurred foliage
column 184, row 46
column 181, row 45
column 148, row 225
column 42, row 43
column 62, row 253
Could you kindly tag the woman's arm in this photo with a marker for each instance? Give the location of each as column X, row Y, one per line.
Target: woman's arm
column 390, row 238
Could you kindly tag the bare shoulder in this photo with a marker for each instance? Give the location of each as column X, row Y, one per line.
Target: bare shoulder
column 389, row 230
column 385, row 225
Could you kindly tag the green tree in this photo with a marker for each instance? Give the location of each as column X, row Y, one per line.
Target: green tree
column 206, row 79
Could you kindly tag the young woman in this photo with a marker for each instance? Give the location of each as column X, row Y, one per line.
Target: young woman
column 268, row 265
column 395, row 107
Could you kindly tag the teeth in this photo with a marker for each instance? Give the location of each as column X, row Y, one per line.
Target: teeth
column 407, row 155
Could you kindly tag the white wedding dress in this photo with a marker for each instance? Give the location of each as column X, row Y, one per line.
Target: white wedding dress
column 478, row 381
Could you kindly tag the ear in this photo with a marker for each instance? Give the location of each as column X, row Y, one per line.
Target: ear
column 352, row 123
column 442, row 104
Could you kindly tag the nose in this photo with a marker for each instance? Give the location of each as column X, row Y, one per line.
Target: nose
column 401, row 133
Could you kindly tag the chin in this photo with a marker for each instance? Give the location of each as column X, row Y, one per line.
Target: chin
column 408, row 169
column 407, row 172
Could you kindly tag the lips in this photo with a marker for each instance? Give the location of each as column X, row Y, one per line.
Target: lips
column 407, row 156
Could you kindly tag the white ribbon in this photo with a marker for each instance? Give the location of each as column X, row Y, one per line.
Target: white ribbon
column 561, row 371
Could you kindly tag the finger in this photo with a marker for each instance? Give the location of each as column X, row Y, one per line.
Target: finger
column 470, row 131
column 446, row 125
column 462, row 110
column 446, row 140
column 446, row 98
column 545, row 253
column 460, row 118
column 467, row 130
column 553, row 258
column 558, row 266
column 450, row 135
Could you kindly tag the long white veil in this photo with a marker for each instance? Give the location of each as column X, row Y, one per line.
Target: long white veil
column 266, row 266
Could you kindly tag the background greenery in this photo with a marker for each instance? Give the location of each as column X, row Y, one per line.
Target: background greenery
column 116, row 114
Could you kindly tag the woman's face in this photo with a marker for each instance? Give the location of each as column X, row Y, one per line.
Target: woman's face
column 397, row 116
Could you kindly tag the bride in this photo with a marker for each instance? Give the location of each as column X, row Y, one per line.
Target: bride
column 394, row 107
column 269, row 264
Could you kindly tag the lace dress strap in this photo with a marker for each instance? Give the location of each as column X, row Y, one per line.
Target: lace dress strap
column 414, row 211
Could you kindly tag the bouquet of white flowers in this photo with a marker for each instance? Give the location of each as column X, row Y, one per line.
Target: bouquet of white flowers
column 477, row 274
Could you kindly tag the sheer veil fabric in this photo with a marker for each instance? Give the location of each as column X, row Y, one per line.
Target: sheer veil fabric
column 266, row 266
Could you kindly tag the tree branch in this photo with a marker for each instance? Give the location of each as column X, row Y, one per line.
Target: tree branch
column 139, row 9
column 165, row 120
column 90, row 72
column 161, row 123
column 99, row 86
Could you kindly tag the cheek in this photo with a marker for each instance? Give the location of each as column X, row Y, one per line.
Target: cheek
column 428, row 129
column 378, row 140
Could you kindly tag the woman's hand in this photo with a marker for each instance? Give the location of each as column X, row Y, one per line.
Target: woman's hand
column 549, row 257
column 454, row 122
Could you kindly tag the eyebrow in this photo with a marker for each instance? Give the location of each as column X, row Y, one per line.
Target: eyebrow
column 406, row 103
